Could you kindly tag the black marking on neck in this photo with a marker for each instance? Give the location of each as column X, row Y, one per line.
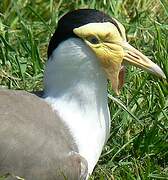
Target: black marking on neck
column 76, row 19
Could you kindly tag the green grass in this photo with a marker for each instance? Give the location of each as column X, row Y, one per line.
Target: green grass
column 138, row 145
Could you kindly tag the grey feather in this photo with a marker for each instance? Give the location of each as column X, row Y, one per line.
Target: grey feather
column 35, row 144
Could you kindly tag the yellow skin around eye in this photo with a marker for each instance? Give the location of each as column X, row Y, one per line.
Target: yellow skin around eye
column 113, row 48
column 108, row 50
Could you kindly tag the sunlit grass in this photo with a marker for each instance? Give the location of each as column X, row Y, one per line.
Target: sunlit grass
column 138, row 143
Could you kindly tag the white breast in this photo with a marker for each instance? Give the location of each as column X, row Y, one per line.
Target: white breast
column 87, row 127
column 75, row 86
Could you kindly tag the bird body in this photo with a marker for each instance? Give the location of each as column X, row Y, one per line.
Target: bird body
column 81, row 96
column 29, row 145
column 61, row 134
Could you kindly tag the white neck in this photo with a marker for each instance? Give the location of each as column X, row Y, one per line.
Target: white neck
column 76, row 87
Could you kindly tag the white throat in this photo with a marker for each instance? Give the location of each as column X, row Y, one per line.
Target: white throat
column 76, row 87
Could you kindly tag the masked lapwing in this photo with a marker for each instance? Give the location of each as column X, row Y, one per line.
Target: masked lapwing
column 60, row 135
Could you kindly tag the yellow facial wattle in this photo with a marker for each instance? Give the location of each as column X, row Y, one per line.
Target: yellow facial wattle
column 109, row 44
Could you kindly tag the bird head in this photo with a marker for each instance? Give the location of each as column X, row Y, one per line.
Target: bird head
column 107, row 39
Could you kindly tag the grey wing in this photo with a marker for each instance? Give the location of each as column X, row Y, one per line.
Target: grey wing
column 35, row 144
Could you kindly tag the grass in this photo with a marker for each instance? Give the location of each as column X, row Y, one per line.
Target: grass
column 138, row 145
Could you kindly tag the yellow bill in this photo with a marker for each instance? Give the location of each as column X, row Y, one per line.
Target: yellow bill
column 136, row 58
column 109, row 44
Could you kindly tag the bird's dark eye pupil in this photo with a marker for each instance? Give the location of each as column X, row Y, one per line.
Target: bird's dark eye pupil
column 94, row 40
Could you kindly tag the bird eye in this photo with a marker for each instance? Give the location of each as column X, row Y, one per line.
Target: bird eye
column 93, row 40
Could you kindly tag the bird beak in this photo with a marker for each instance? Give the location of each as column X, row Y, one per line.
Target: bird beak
column 115, row 70
column 116, row 73
column 114, row 51
column 136, row 58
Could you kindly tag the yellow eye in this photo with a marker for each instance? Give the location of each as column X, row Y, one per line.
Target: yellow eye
column 93, row 40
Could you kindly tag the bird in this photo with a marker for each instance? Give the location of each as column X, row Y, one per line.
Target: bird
column 60, row 132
